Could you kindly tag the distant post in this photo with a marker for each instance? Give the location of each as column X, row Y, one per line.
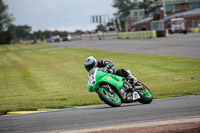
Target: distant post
column 101, row 19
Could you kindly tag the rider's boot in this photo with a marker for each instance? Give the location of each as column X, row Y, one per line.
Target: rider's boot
column 133, row 80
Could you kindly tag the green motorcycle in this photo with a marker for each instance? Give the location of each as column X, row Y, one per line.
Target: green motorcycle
column 114, row 89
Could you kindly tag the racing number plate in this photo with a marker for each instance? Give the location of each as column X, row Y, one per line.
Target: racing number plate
column 92, row 80
column 136, row 96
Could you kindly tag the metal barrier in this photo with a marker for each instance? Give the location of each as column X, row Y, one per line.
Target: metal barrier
column 124, row 35
column 195, row 30
column 137, row 35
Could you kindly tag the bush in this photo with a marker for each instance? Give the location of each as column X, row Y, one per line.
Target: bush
column 5, row 37
column 14, row 41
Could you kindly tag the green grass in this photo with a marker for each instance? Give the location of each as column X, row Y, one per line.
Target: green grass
column 56, row 78
column 20, row 47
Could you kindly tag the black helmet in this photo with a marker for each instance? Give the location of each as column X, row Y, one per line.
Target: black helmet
column 90, row 63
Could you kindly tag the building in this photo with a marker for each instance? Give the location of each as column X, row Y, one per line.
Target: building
column 135, row 15
column 188, row 9
column 174, row 6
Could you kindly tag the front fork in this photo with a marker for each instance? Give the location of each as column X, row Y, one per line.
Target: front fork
column 110, row 90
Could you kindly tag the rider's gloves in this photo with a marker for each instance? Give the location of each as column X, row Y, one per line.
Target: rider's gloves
column 105, row 69
column 108, row 66
column 110, row 71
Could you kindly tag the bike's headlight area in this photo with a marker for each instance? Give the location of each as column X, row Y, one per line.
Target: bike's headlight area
column 92, row 80
column 91, row 77
column 93, row 83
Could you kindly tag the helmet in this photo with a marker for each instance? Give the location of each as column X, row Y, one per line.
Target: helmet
column 90, row 63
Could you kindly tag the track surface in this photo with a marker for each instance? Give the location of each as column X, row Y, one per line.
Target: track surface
column 175, row 45
column 103, row 115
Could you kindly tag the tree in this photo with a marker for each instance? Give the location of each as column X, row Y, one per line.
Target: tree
column 78, row 32
column 124, row 7
column 5, row 21
column 100, row 27
column 145, row 6
column 21, row 31
column 5, row 18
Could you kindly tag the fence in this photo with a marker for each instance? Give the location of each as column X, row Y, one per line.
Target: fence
column 94, row 36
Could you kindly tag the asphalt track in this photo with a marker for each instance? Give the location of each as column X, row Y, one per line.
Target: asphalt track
column 102, row 115
column 179, row 45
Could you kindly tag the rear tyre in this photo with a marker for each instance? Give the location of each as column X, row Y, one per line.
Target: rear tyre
column 146, row 96
column 110, row 98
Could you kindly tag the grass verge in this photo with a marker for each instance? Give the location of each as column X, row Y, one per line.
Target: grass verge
column 55, row 78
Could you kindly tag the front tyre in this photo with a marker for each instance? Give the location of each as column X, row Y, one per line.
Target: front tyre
column 110, row 98
column 146, row 96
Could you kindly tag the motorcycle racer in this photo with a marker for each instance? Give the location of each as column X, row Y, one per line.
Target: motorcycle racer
column 91, row 63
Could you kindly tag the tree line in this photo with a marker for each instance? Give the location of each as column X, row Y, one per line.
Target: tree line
column 10, row 33
column 24, row 32
column 15, row 33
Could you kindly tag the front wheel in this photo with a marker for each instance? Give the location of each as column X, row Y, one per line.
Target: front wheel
column 146, row 96
column 110, row 98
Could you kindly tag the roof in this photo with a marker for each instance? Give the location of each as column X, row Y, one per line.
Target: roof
column 160, row 2
column 142, row 21
column 195, row 12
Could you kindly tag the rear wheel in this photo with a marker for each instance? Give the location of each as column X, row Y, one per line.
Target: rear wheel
column 110, row 98
column 146, row 96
